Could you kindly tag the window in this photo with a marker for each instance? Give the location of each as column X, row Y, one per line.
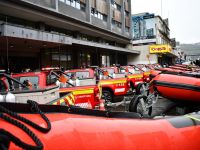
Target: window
column 98, row 15
column 33, row 79
column 116, row 23
column 126, row 29
column 75, row 3
column 115, row 5
column 82, row 75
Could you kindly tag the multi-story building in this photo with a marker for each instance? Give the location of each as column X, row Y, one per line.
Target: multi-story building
column 68, row 33
column 151, row 35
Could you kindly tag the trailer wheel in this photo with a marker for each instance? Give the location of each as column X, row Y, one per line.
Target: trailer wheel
column 136, row 105
column 107, row 95
column 142, row 89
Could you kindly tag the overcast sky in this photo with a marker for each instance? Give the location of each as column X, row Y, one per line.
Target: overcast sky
column 184, row 16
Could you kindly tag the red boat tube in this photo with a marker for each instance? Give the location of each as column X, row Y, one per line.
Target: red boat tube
column 177, row 86
column 70, row 130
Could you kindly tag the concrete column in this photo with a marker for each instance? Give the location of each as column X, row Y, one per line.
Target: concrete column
column 109, row 17
column 131, row 27
column 123, row 17
column 116, row 57
column 56, row 1
column 88, row 10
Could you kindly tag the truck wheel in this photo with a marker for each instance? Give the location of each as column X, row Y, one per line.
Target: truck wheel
column 136, row 105
column 107, row 96
column 141, row 89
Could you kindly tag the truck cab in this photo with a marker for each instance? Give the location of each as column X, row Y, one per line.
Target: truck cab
column 26, row 86
column 134, row 75
column 112, row 82
column 78, row 82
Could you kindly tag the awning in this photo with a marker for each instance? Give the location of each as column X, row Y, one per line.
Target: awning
column 33, row 34
column 170, row 54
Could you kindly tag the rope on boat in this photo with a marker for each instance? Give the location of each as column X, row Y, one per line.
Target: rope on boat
column 7, row 136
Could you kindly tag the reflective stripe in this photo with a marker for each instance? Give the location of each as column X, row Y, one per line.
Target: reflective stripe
column 146, row 73
column 62, row 101
column 78, row 92
column 112, row 82
column 135, row 76
column 100, row 90
column 69, row 100
column 72, row 97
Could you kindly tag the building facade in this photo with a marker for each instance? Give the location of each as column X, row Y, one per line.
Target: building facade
column 67, row 33
column 149, row 30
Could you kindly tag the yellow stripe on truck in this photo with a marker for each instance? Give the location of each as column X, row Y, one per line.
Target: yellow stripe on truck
column 146, row 73
column 135, row 76
column 72, row 96
column 112, row 82
column 85, row 91
column 69, row 100
column 62, row 101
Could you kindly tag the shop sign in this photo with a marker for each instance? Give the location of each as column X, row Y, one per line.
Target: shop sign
column 154, row 49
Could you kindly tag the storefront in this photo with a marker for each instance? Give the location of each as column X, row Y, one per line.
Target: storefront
column 164, row 53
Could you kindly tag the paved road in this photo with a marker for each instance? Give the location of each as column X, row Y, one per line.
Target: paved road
column 159, row 108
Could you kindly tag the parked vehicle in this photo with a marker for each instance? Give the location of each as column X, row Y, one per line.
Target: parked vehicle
column 82, row 86
column 113, row 83
column 135, row 77
column 25, row 87
column 181, row 88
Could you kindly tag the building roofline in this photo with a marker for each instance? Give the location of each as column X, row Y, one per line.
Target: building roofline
column 158, row 16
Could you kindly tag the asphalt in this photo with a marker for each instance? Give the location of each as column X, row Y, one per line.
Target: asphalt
column 159, row 108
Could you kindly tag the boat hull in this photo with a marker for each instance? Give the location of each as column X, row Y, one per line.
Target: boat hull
column 74, row 131
column 177, row 87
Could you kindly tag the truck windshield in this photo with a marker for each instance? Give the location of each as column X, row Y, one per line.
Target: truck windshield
column 33, row 79
column 83, row 75
column 110, row 71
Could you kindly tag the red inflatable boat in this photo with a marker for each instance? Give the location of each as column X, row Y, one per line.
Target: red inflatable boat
column 178, row 86
column 76, row 128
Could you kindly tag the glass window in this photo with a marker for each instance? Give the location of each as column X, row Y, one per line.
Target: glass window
column 82, row 6
column 78, row 6
column 82, row 75
column 68, row 2
column 33, row 79
column 73, row 3
column 51, row 79
column 110, row 71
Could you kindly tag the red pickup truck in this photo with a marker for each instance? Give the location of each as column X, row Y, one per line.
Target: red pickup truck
column 82, row 94
column 25, row 87
column 113, row 83
column 134, row 75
